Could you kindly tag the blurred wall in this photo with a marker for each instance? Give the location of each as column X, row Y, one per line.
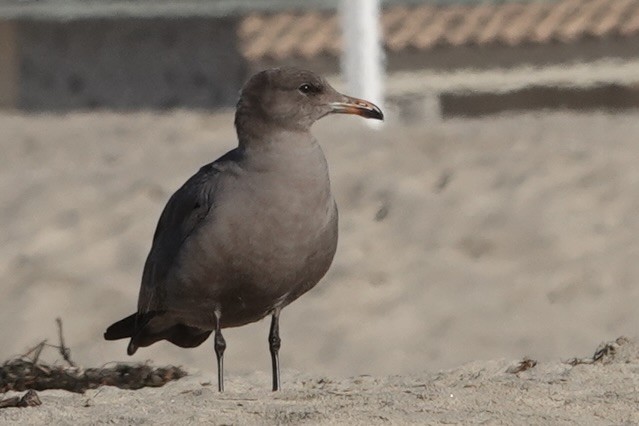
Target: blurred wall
column 8, row 64
column 120, row 63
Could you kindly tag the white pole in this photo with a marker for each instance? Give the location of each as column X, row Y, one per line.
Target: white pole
column 362, row 56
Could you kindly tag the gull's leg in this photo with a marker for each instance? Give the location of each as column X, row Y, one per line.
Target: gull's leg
column 274, row 346
column 220, row 345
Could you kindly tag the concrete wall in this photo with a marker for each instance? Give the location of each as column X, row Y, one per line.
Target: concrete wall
column 125, row 63
column 8, row 64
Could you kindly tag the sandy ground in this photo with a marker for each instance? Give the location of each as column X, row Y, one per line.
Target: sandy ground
column 461, row 241
column 482, row 392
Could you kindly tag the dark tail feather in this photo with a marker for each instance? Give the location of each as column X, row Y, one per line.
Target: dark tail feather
column 122, row 329
column 131, row 326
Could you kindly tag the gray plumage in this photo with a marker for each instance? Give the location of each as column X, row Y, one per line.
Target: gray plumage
column 250, row 232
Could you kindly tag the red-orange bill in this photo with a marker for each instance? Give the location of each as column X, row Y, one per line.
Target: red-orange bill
column 357, row 106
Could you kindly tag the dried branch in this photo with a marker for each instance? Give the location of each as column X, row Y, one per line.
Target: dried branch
column 36, row 351
column 22, row 374
column 64, row 351
column 26, row 373
column 523, row 365
column 29, row 399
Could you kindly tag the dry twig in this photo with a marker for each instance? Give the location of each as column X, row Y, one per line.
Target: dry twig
column 604, row 353
column 26, row 372
column 22, row 374
column 29, row 399
column 523, row 365
column 64, row 351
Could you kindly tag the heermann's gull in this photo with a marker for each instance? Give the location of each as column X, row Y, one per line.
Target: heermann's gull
column 252, row 231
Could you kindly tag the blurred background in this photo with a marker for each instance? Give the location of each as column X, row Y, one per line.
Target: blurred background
column 494, row 215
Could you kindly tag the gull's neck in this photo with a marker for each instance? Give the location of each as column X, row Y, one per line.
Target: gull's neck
column 255, row 134
column 289, row 152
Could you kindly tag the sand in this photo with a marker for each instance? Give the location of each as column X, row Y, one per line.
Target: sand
column 601, row 393
column 467, row 243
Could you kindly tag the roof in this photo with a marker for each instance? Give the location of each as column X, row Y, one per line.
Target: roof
column 276, row 36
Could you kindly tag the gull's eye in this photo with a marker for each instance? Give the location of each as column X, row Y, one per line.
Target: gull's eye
column 306, row 88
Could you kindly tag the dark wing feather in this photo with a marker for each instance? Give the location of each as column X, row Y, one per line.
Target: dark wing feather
column 183, row 215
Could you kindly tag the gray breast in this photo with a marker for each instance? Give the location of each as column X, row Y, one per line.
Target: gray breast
column 248, row 271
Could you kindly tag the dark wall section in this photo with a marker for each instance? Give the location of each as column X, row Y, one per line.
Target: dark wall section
column 607, row 97
column 129, row 63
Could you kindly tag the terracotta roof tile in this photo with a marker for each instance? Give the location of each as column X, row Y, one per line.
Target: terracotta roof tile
column 524, row 23
column 610, row 18
column 631, row 26
column 298, row 31
column 474, row 18
column 548, row 27
column 445, row 20
column 423, row 27
column 499, row 20
column 393, row 19
column 261, row 43
column 414, row 21
column 578, row 25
